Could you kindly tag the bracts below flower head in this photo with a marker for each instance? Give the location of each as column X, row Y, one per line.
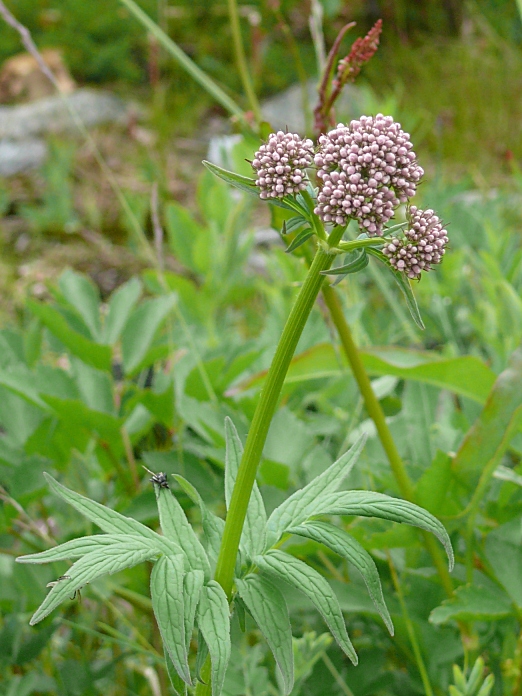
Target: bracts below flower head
column 423, row 246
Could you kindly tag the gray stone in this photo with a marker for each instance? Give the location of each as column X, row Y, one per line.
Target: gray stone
column 52, row 115
column 18, row 156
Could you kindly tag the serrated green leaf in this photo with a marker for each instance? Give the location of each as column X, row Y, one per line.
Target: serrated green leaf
column 213, row 526
column 84, row 545
column 300, row 239
column 253, row 536
column 268, row 608
column 214, row 624
column 192, row 584
column 166, row 587
column 243, row 183
column 370, row 504
column 404, row 284
column 120, row 306
column 175, row 526
column 281, row 565
column 472, row 603
column 345, row 545
column 104, row 561
column 297, row 508
column 110, row 521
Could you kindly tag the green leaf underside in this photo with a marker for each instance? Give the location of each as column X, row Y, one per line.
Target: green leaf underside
column 166, row 586
column 342, row 543
column 300, row 239
column 268, row 608
column 192, row 584
column 404, row 284
column 243, row 183
column 299, row 506
column 370, row 504
column 253, row 536
column 104, row 561
column 175, row 526
column 213, row 525
column 214, row 624
column 280, row 565
column 108, row 520
column 88, row 544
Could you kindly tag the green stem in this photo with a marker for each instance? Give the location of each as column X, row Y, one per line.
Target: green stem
column 377, row 415
column 241, row 60
column 265, row 410
column 261, row 422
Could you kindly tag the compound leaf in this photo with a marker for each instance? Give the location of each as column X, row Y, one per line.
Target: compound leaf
column 282, row 566
column 345, row 545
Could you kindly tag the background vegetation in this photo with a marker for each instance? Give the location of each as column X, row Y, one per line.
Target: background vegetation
column 112, row 356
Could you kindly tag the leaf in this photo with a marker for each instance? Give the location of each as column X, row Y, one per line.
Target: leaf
column 81, row 293
column 105, row 560
column 243, row 183
column 370, row 504
column 166, row 588
column 120, row 305
column 140, row 329
column 178, row 685
column 490, row 435
column 404, row 284
column 503, row 550
column 432, row 487
column 342, row 543
column 352, row 267
column 253, row 537
column 192, row 584
column 297, row 508
column 214, row 624
column 109, row 520
column 213, row 526
column 92, row 353
column 293, row 224
column 175, row 526
column 472, row 603
column 300, row 239
column 268, row 608
column 84, row 545
column 281, row 565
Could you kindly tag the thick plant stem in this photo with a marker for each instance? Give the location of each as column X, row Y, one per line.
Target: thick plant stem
column 241, row 60
column 376, row 414
column 266, row 406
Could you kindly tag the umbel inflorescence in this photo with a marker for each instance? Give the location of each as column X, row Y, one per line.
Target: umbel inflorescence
column 365, row 170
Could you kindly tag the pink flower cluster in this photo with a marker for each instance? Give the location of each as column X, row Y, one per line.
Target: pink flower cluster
column 423, row 246
column 367, row 168
column 281, row 163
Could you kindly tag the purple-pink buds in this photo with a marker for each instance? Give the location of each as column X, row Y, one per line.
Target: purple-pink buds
column 281, row 164
column 423, row 245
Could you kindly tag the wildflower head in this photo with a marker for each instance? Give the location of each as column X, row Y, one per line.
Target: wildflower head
column 280, row 164
column 423, row 245
column 367, row 169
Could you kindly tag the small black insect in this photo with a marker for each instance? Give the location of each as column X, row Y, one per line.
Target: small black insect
column 65, row 577
column 160, row 480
